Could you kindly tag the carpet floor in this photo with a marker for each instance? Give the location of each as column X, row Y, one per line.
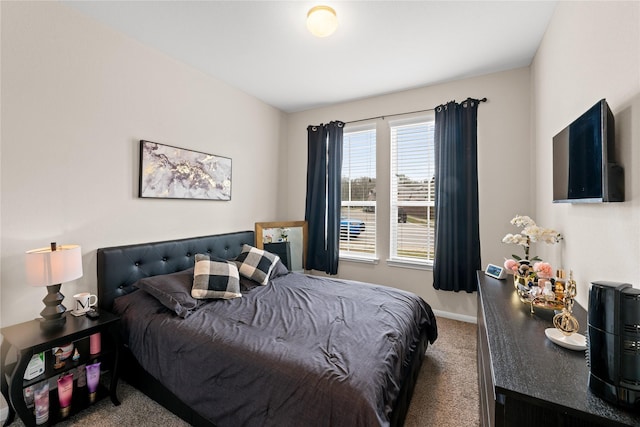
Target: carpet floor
column 446, row 393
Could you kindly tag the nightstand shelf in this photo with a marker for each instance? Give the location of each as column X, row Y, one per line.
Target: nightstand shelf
column 27, row 339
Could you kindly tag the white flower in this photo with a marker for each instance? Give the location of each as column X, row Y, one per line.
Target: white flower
column 530, row 233
column 539, row 234
column 517, row 239
column 533, row 231
column 522, row 221
column 550, row 236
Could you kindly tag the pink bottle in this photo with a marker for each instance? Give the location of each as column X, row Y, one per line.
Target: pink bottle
column 65, row 394
column 94, row 343
column 41, row 398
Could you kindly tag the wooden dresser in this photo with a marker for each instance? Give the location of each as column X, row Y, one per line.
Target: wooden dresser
column 525, row 379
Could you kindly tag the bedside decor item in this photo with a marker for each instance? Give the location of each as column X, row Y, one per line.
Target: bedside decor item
column 50, row 267
column 65, row 394
column 95, row 343
column 93, row 314
column 58, row 355
column 83, row 301
column 93, row 379
column 28, row 397
column 168, row 172
column 81, row 376
column 35, row 366
column 66, row 350
column 41, row 399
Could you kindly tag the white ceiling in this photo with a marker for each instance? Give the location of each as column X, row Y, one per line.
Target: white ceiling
column 264, row 48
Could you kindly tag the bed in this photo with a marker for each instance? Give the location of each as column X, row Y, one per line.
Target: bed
column 300, row 350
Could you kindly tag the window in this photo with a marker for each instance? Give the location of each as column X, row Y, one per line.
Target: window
column 412, row 229
column 358, row 210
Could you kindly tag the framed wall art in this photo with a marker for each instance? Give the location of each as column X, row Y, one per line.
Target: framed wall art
column 168, row 172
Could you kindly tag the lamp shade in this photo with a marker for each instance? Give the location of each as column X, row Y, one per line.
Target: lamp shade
column 47, row 267
column 322, row 21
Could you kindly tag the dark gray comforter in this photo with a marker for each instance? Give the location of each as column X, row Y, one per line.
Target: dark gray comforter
column 302, row 350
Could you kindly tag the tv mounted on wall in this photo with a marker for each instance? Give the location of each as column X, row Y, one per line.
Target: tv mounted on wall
column 584, row 167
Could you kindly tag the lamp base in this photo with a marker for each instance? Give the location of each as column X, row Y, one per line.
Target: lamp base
column 53, row 313
column 52, row 324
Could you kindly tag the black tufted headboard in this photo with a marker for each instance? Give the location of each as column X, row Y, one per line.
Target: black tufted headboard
column 119, row 267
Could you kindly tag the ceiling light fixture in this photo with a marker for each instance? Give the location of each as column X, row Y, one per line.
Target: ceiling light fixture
column 322, row 21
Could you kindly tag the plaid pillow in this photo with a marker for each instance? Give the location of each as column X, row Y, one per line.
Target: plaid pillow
column 215, row 279
column 256, row 264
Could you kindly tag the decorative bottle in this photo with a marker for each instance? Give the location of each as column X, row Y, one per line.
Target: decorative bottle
column 560, row 284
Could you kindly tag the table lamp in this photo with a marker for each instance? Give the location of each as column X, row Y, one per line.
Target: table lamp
column 50, row 267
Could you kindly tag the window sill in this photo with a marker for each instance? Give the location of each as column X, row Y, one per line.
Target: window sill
column 361, row 259
column 402, row 263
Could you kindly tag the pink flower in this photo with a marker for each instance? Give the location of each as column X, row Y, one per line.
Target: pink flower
column 543, row 269
column 511, row 265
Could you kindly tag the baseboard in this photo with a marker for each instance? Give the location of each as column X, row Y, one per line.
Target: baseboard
column 456, row 316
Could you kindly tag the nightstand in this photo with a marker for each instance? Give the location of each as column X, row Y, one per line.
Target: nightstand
column 27, row 339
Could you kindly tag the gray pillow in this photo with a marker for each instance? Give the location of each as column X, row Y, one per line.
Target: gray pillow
column 172, row 290
column 278, row 270
column 256, row 264
column 215, row 279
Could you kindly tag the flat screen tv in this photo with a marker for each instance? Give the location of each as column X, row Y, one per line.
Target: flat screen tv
column 584, row 167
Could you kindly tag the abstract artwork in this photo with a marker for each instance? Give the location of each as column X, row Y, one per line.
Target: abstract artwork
column 176, row 173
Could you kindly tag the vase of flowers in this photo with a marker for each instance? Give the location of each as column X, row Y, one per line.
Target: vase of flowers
column 527, row 270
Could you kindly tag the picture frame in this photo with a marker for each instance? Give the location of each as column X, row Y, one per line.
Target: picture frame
column 168, row 172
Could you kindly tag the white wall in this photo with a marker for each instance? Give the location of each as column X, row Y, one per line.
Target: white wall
column 590, row 51
column 76, row 99
column 504, row 172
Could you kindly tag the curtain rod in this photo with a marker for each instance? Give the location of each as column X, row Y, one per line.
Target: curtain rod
column 402, row 114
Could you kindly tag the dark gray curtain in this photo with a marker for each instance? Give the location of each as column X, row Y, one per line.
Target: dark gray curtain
column 322, row 211
column 457, row 254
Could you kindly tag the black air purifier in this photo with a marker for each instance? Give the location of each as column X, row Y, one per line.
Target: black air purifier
column 614, row 343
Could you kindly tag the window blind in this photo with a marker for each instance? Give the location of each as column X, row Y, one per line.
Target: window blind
column 412, row 230
column 358, row 210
